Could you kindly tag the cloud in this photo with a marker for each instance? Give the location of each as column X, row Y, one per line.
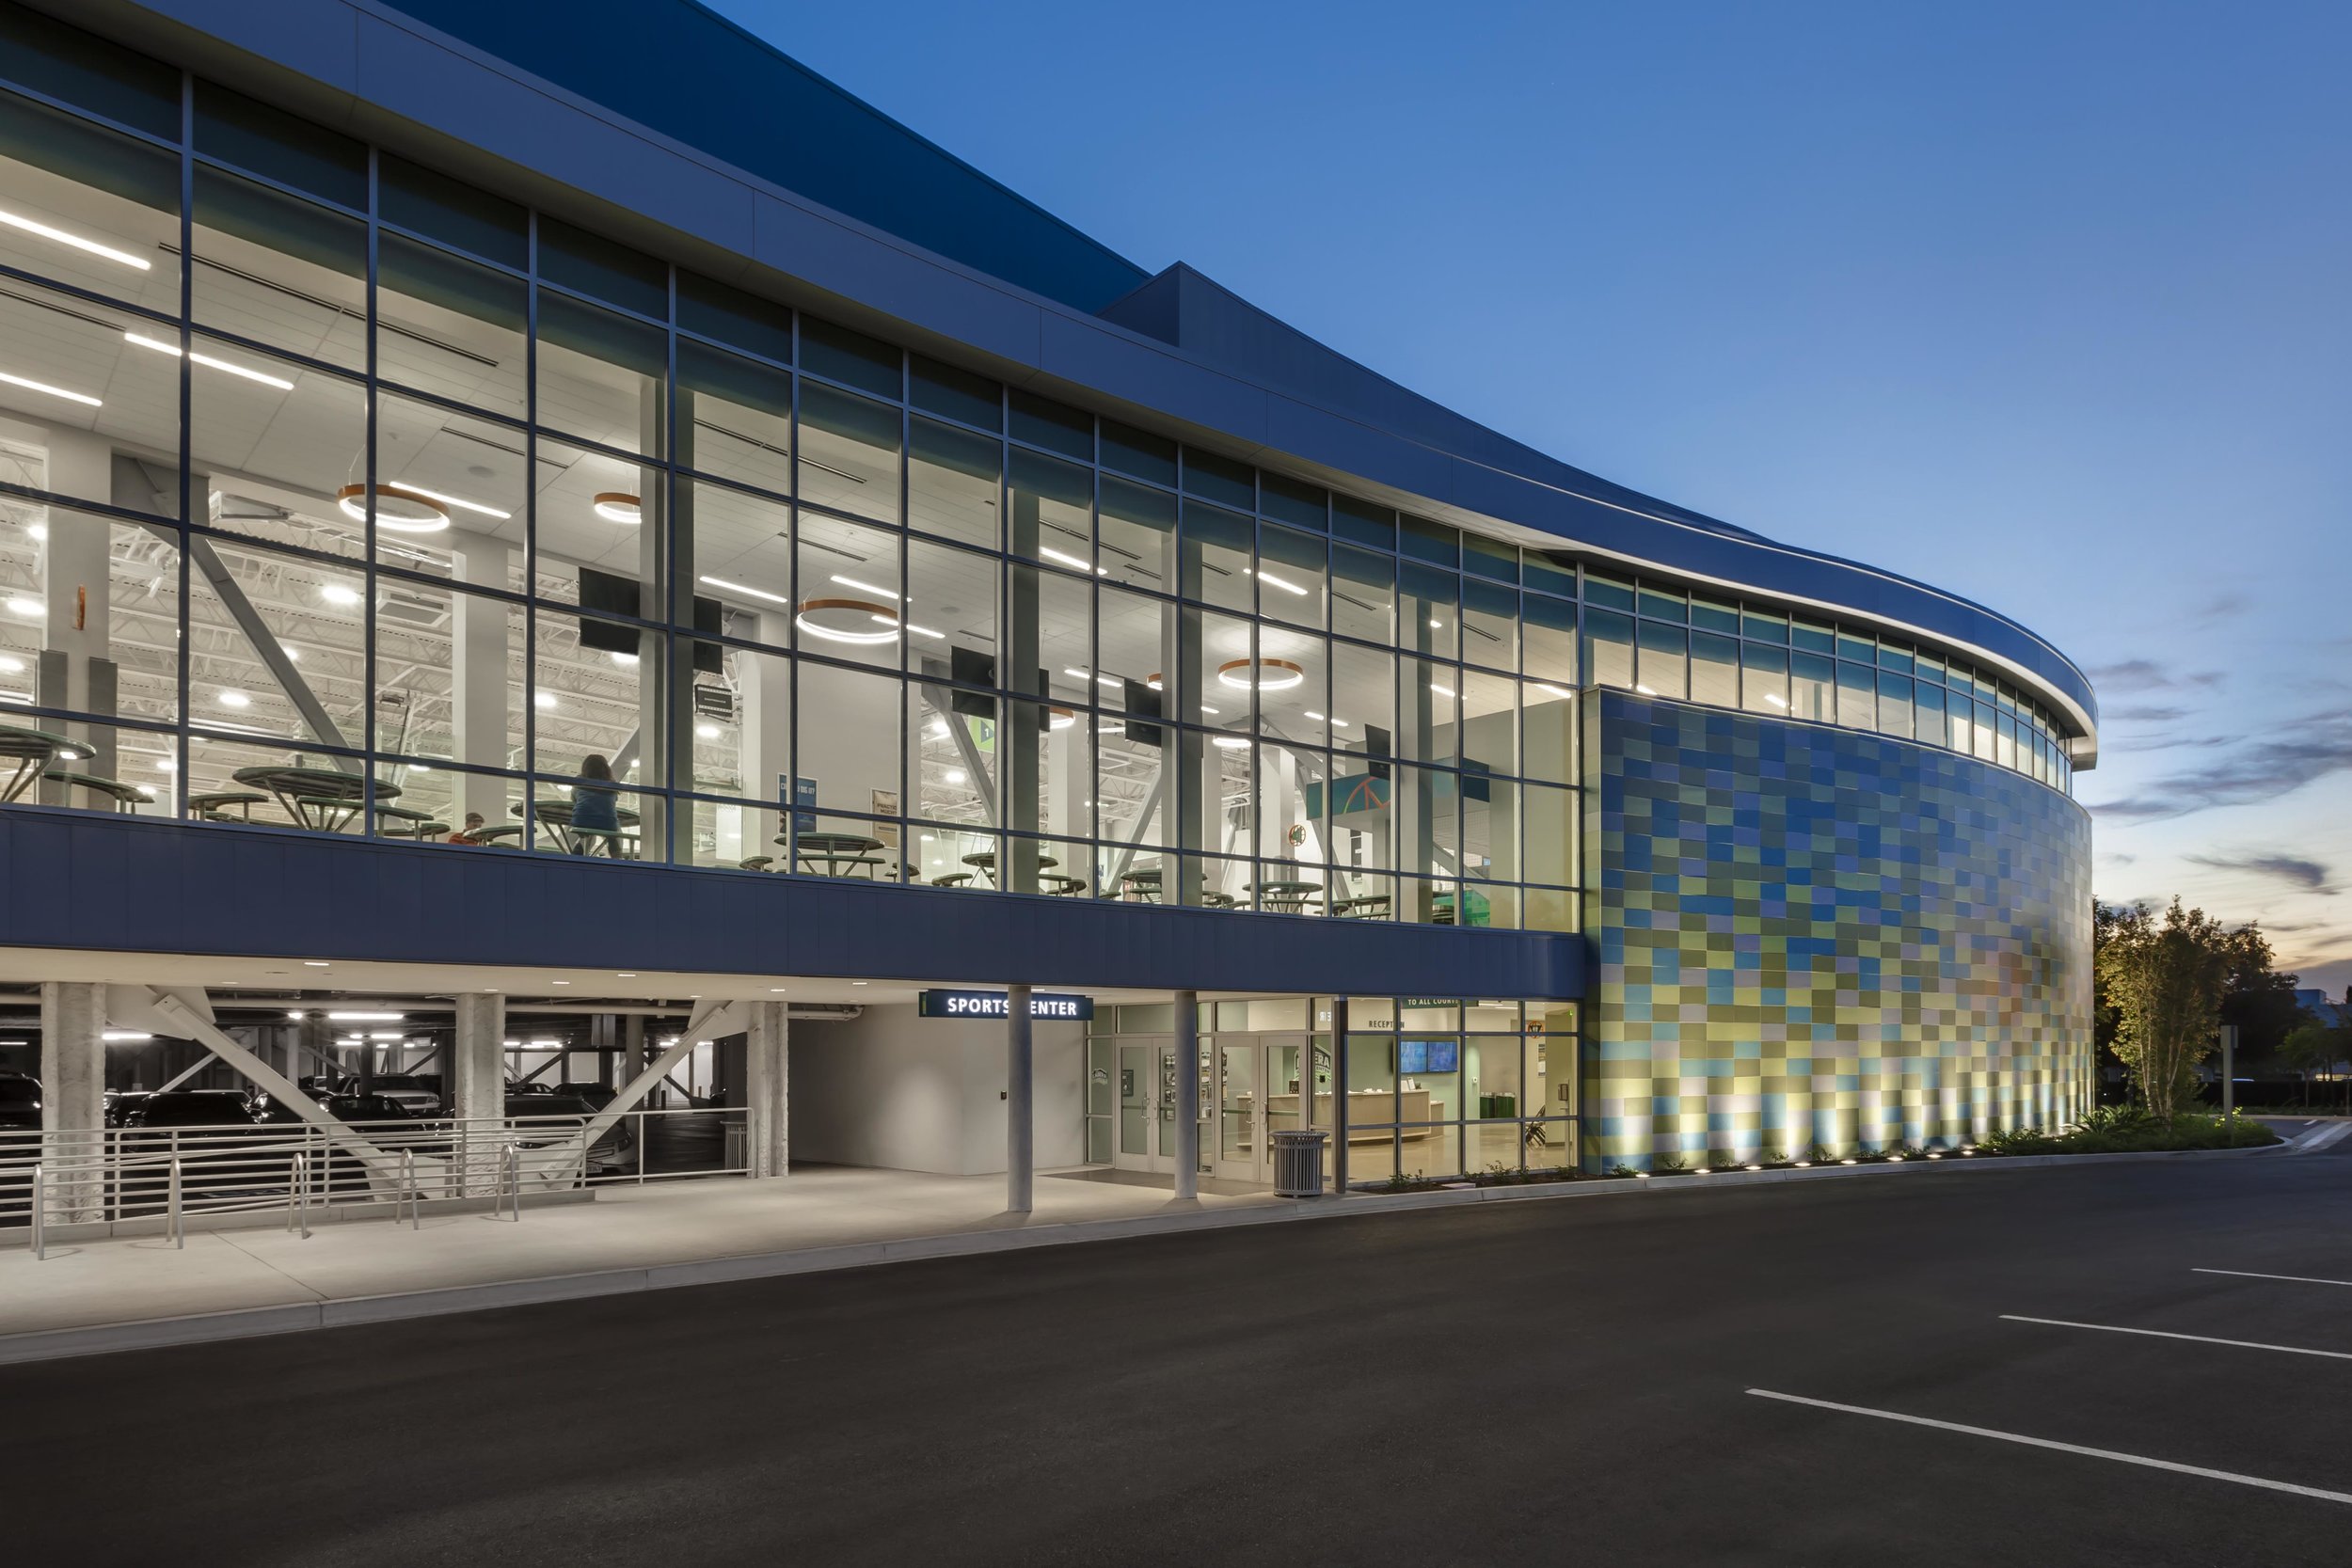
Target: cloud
column 2147, row 713
column 2310, row 876
column 2219, row 605
column 2146, row 675
column 2279, row 762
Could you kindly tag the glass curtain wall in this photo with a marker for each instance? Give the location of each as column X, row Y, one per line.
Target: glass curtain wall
column 336, row 494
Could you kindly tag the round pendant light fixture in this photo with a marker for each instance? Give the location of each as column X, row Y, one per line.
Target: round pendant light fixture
column 619, row 506
column 1060, row 718
column 860, row 621
column 397, row 511
column 1260, row 675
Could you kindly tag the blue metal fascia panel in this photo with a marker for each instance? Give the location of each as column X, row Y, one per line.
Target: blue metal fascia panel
column 112, row 883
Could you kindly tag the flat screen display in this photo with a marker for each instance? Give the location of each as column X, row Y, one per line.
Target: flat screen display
column 1415, row 1057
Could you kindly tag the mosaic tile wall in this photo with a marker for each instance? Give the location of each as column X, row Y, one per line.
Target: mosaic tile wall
column 1806, row 934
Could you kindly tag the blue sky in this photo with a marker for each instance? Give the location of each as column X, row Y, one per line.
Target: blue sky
column 2045, row 304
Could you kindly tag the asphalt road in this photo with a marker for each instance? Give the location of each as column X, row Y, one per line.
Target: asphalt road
column 1544, row 1383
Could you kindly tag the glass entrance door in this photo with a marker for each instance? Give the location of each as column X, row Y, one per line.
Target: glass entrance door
column 1238, row 1125
column 1259, row 1090
column 1147, row 1086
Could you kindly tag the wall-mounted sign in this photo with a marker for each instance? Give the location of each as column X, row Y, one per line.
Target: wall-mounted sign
column 990, row 1003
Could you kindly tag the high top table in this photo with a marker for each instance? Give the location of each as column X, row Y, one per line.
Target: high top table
column 839, row 853
column 322, row 799
column 557, row 816
column 31, row 752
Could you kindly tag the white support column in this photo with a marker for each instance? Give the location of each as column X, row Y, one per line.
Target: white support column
column 477, row 1081
column 767, row 1089
column 73, row 1092
column 479, row 698
column 1187, row 1095
column 1020, row 1105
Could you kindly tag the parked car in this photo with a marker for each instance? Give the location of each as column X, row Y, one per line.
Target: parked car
column 121, row 1102
column 191, row 1108
column 595, row 1096
column 319, row 1086
column 419, row 1091
column 371, row 1107
column 342, row 1107
column 19, row 1102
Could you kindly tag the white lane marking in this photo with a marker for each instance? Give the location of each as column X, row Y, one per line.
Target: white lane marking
column 2297, row 1278
column 2166, row 1334
column 2062, row 1447
column 2311, row 1141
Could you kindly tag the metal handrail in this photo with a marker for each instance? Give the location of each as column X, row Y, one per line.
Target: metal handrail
column 298, row 1195
column 41, row 1211
column 122, row 1174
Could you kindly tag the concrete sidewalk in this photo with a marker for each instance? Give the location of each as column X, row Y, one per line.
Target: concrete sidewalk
column 93, row 1296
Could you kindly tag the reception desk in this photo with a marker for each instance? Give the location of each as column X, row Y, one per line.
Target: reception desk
column 1369, row 1113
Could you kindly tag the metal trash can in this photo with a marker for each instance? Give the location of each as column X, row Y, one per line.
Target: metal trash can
column 1299, row 1163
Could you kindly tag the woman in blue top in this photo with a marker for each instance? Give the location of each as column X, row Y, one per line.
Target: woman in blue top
column 596, row 808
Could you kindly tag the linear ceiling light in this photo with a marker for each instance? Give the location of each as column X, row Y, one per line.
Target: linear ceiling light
column 744, row 588
column 864, row 587
column 1067, row 560
column 1284, row 585
column 458, row 501
column 32, row 386
column 17, row 220
column 205, row 359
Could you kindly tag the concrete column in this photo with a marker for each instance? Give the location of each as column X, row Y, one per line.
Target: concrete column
column 1020, row 1105
column 76, row 669
column 477, row 1084
column 767, row 1083
column 480, row 702
column 72, row 1095
column 1188, row 1094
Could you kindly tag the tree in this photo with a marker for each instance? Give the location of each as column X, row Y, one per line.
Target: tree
column 2166, row 980
column 2257, row 998
column 2316, row 1045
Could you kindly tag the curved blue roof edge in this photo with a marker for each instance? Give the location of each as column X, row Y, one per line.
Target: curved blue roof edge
column 1489, row 476
column 681, row 69
column 365, row 66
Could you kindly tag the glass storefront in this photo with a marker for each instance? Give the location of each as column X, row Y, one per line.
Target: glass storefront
column 1436, row 1087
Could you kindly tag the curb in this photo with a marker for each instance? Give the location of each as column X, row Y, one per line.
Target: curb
column 250, row 1322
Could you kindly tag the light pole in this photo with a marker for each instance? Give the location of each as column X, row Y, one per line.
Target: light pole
column 2229, row 1071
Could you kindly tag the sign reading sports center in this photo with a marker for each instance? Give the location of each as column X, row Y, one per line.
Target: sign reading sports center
column 529, row 565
